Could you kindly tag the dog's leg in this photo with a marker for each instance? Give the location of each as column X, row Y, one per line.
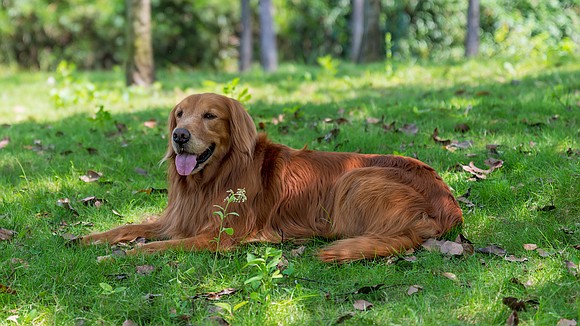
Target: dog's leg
column 365, row 247
column 196, row 243
column 125, row 233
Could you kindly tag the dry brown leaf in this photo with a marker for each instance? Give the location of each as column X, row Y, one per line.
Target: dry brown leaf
column 543, row 253
column 451, row 248
column 144, row 269
column 4, row 142
column 362, row 305
column 414, row 289
column 513, row 319
column 493, row 249
column 215, row 295
column 514, row 303
column 450, row 276
column 572, row 267
column 566, row 322
column 530, row 246
column 432, row 244
column 439, row 140
column 129, row 322
column 65, row 203
column 513, row 258
column 410, row 258
column 151, row 123
column 91, row 176
column 372, row 121
column 298, row 251
column 6, row 235
column 409, row 129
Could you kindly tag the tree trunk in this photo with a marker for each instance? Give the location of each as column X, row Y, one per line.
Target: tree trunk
column 140, row 69
column 246, row 37
column 267, row 37
column 357, row 25
column 472, row 37
column 367, row 40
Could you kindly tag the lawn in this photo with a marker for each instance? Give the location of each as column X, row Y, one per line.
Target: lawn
column 522, row 117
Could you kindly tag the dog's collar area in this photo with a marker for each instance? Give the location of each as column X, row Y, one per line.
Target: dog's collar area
column 205, row 155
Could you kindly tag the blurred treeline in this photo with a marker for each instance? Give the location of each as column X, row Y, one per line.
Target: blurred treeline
column 38, row 34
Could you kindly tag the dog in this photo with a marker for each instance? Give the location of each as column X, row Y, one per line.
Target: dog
column 370, row 205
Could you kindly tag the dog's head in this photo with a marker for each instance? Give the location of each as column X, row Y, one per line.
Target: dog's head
column 204, row 129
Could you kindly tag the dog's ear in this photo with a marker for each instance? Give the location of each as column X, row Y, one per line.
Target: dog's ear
column 172, row 124
column 242, row 129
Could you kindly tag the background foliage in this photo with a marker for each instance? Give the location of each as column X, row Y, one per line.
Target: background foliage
column 90, row 34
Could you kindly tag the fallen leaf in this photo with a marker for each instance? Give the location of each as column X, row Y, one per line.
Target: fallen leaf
column 530, row 246
column 409, row 129
column 566, row 322
column 450, row 276
column 482, row 93
column 481, row 173
column 543, row 253
column 493, row 249
column 92, row 201
column 373, row 121
column 451, row 248
column 6, row 235
column 151, row 123
column 65, row 203
column 414, row 289
column 330, row 136
column 493, row 164
column 362, row 305
column 141, row 171
column 4, row 142
column 144, row 269
column 513, row 319
column 116, row 213
column 458, row 145
column 410, row 258
column 577, row 247
column 572, row 267
column 437, row 139
column 432, row 244
column 513, row 258
column 91, row 176
column 465, row 201
column 215, row 295
column 514, row 303
column 129, row 322
column 298, row 251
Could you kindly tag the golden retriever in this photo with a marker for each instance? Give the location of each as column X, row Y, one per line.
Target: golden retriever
column 372, row 205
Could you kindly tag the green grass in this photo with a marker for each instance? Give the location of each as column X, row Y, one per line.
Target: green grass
column 531, row 113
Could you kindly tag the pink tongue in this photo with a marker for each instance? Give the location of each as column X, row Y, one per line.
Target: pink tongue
column 185, row 163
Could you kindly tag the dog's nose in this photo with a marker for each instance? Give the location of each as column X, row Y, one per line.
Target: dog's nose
column 181, row 136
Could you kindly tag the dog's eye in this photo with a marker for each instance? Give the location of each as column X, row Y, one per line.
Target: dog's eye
column 179, row 114
column 209, row 116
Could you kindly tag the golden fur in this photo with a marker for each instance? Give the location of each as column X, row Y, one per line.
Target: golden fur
column 372, row 205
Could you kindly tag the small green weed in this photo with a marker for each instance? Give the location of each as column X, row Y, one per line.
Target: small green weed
column 265, row 272
column 233, row 197
column 329, row 66
column 230, row 89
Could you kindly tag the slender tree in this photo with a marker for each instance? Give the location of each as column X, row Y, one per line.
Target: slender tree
column 357, row 28
column 268, row 47
column 246, row 37
column 140, row 69
column 367, row 39
column 472, row 36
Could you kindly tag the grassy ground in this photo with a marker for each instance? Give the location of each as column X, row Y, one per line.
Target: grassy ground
column 523, row 113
